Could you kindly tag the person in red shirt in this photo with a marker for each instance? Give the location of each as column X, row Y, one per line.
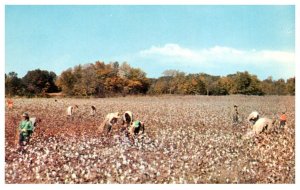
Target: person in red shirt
column 10, row 103
column 282, row 119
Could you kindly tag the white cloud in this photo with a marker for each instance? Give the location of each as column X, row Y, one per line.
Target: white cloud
column 225, row 60
column 217, row 54
column 172, row 50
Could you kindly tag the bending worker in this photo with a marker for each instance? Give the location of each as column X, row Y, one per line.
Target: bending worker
column 109, row 121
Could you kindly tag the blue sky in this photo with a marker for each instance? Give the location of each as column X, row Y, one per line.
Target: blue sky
column 217, row 40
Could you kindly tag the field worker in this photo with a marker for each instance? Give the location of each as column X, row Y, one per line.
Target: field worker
column 235, row 114
column 282, row 120
column 70, row 110
column 93, row 110
column 10, row 103
column 253, row 117
column 136, row 128
column 109, row 121
column 25, row 129
column 262, row 124
column 127, row 118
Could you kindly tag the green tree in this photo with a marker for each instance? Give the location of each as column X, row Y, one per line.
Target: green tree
column 209, row 81
column 291, row 86
column 177, row 84
column 226, row 85
column 103, row 80
column 13, row 84
column 39, row 82
column 66, row 82
column 137, row 81
column 218, row 89
column 85, row 83
column 280, row 87
column 160, row 86
column 268, row 86
column 194, row 85
column 246, row 84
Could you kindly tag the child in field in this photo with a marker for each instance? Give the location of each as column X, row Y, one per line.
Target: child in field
column 10, row 103
column 25, row 129
column 282, row 120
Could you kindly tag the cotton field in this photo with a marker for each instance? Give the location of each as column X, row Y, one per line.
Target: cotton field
column 187, row 140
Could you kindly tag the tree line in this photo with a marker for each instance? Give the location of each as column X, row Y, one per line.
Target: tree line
column 105, row 80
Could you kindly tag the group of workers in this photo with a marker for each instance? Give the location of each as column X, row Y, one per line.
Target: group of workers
column 71, row 109
column 129, row 125
column 133, row 128
column 260, row 124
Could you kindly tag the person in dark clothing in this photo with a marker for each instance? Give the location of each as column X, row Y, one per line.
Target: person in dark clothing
column 235, row 117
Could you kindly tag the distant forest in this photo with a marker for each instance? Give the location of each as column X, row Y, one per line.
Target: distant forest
column 112, row 79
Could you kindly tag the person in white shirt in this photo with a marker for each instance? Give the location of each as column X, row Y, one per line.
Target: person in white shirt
column 253, row 117
column 127, row 118
column 262, row 125
column 93, row 110
column 71, row 109
column 109, row 121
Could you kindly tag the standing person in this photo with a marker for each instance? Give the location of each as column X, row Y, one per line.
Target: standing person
column 282, row 120
column 235, row 114
column 25, row 129
column 10, row 103
column 93, row 110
